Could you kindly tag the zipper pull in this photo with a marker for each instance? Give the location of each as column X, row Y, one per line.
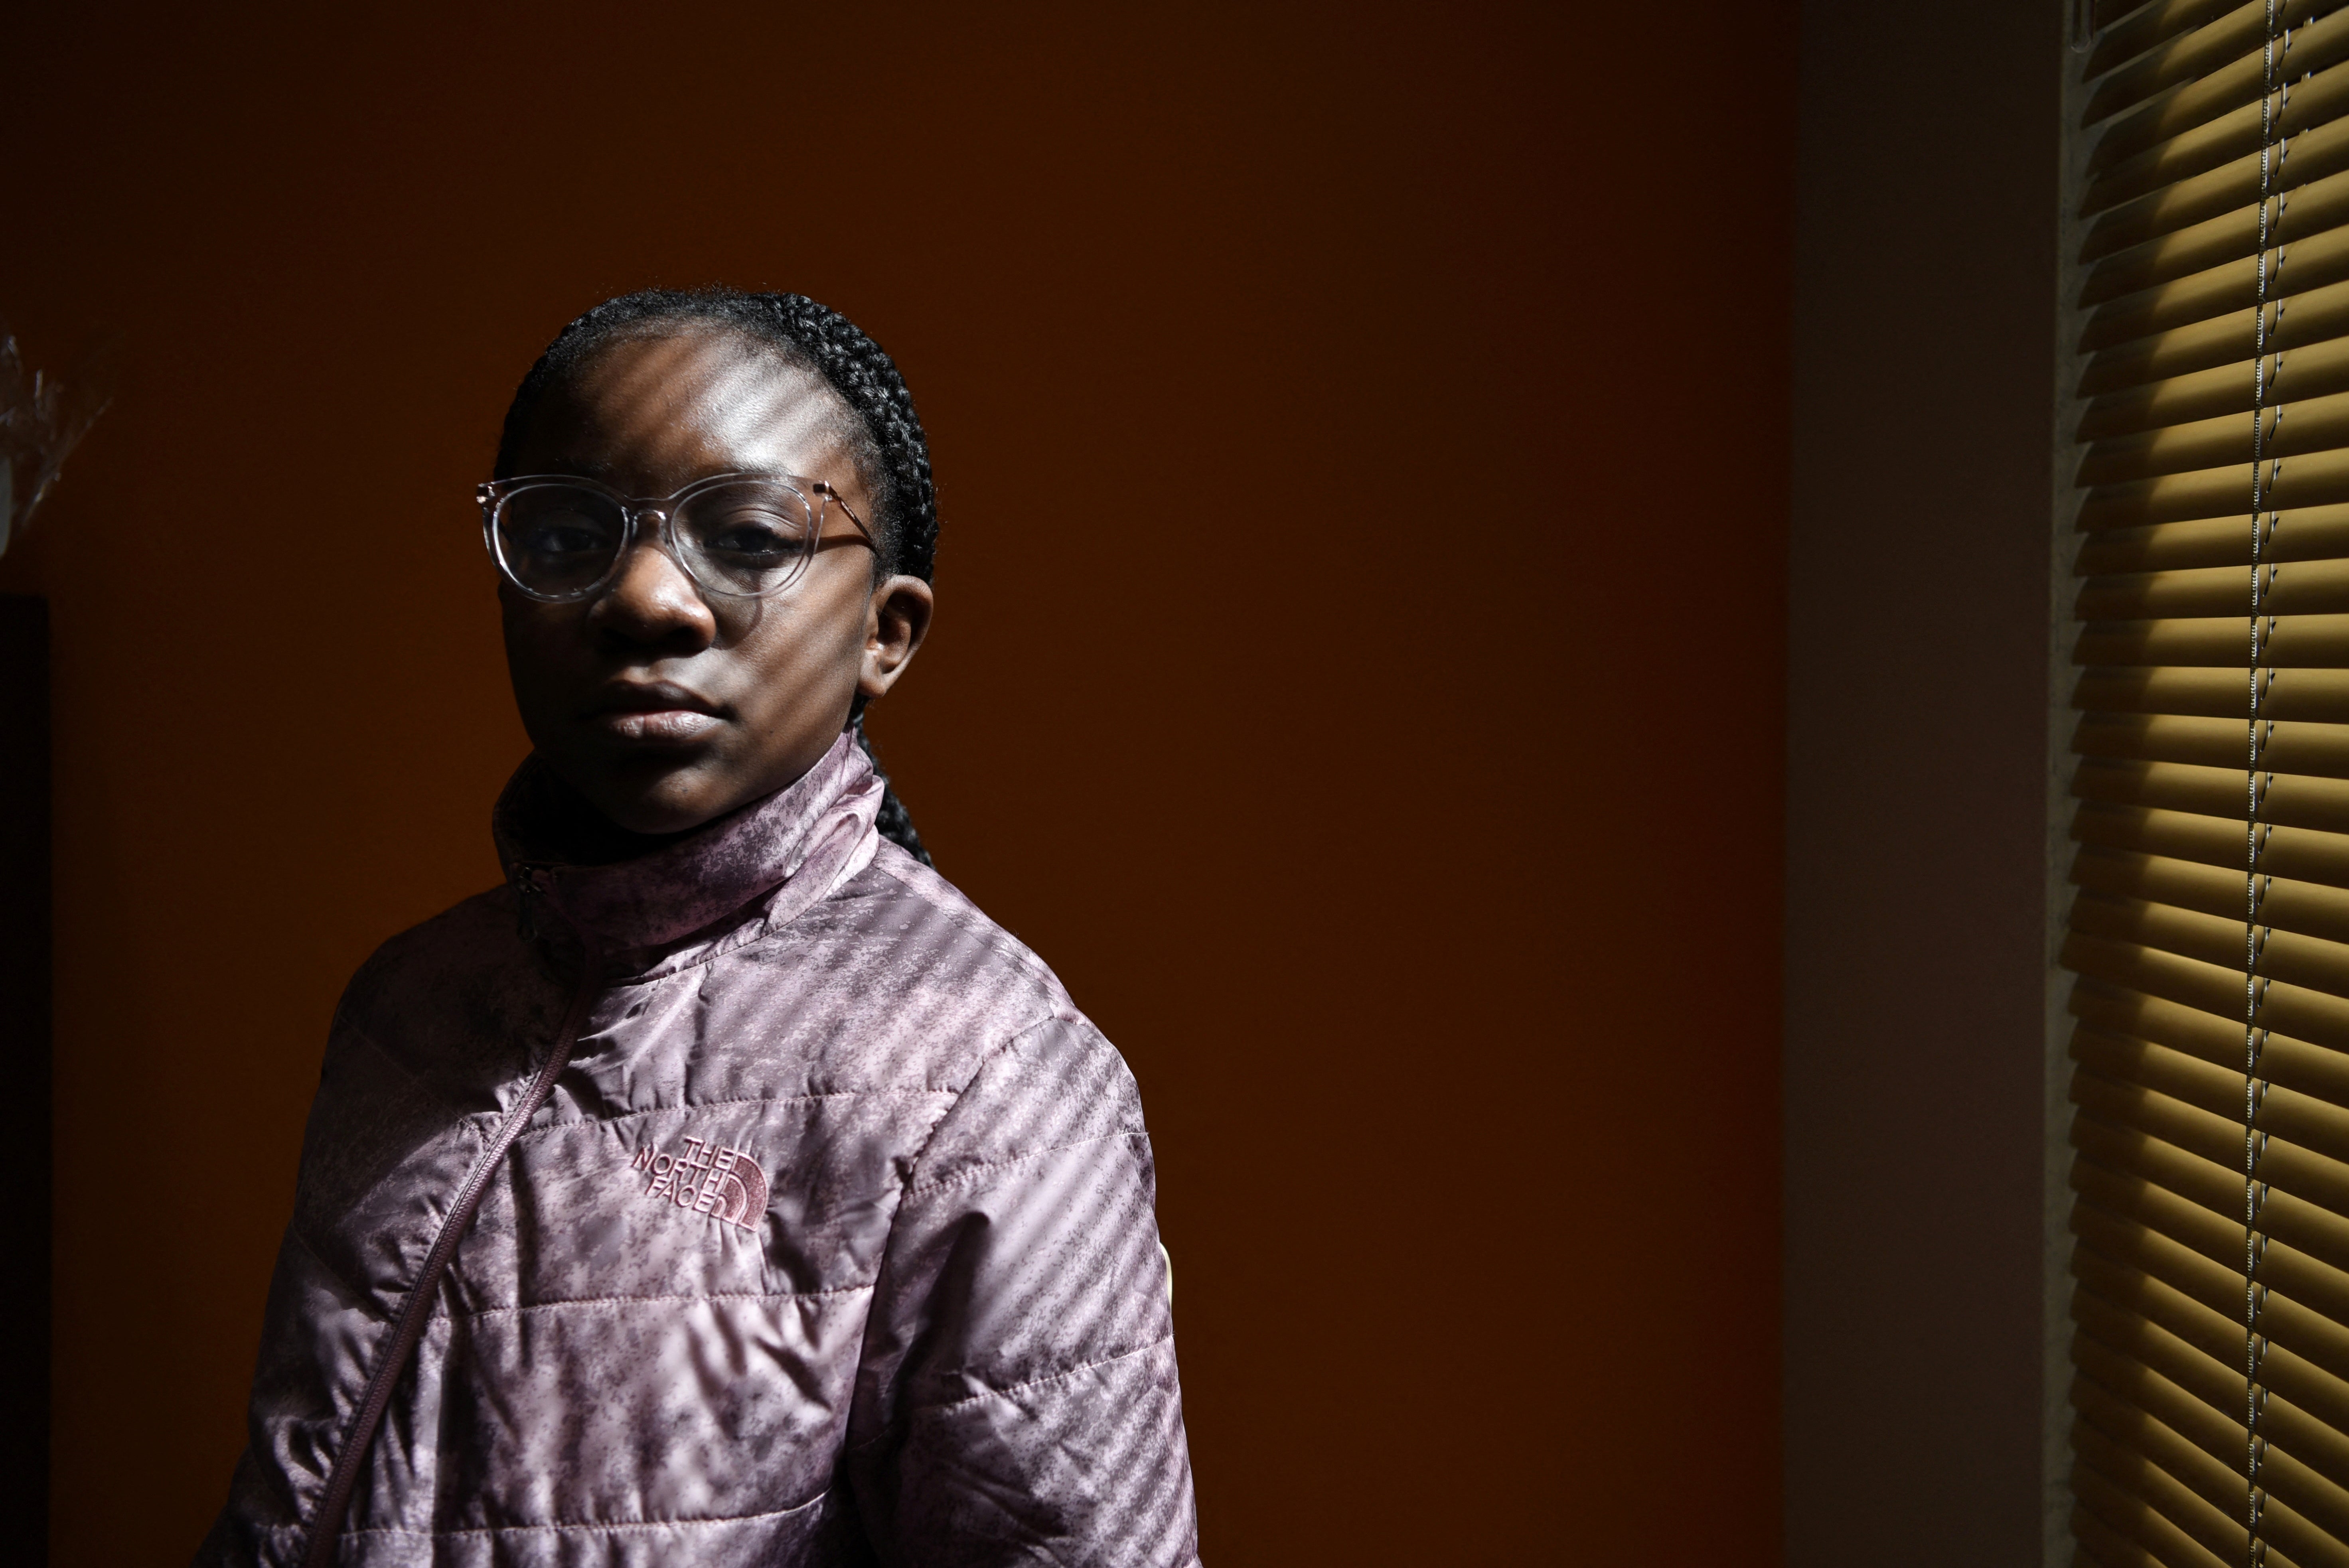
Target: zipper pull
column 531, row 883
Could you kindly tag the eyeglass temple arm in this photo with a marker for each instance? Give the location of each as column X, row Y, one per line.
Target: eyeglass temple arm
column 834, row 497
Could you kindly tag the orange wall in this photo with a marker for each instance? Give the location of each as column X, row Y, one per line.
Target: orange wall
column 1361, row 434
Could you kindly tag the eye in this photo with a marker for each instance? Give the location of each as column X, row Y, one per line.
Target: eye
column 563, row 534
column 557, row 538
column 753, row 534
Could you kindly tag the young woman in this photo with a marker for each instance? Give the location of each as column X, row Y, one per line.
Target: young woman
column 725, row 1188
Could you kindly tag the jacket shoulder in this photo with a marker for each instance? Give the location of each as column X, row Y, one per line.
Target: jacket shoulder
column 473, row 934
column 931, row 970
column 1035, row 1075
column 443, row 986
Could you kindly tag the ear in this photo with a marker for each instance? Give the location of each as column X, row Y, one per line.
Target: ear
column 896, row 619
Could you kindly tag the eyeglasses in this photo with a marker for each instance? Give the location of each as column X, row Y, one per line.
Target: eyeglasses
column 743, row 536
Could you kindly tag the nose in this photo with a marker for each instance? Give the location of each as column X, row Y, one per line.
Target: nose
column 650, row 599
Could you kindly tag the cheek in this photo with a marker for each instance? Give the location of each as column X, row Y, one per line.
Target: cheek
column 539, row 643
column 801, row 652
column 809, row 635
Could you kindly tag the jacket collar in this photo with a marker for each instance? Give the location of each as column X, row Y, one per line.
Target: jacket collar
column 700, row 879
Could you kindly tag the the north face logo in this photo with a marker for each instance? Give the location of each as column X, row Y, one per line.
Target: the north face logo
column 707, row 1180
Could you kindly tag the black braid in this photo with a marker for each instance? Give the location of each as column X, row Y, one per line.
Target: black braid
column 891, row 453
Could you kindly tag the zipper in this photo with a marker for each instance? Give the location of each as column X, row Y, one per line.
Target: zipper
column 530, row 884
column 535, row 884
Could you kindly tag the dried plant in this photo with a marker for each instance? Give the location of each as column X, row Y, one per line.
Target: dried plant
column 41, row 418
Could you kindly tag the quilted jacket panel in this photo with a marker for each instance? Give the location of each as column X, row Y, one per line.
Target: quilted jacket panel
column 835, row 1242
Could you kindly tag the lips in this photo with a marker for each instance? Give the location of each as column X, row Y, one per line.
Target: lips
column 652, row 713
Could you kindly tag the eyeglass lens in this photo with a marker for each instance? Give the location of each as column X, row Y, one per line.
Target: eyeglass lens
column 744, row 537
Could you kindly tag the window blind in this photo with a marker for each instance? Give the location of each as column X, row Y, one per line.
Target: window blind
column 2207, row 937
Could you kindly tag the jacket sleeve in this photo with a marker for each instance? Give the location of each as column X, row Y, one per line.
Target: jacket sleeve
column 1017, row 1401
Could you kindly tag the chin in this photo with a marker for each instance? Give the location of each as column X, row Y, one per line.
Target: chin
column 663, row 811
column 659, row 796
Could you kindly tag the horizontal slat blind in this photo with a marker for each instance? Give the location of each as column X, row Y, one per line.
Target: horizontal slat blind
column 2209, row 926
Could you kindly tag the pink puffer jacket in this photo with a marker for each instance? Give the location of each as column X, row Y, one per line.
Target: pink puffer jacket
column 828, row 1241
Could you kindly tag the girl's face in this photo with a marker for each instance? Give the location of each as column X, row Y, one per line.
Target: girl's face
column 662, row 707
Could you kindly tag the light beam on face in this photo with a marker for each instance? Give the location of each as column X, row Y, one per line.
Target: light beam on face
column 663, row 707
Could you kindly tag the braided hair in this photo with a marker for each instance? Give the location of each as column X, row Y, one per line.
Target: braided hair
column 891, row 454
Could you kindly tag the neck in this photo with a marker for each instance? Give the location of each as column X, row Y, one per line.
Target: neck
column 574, row 831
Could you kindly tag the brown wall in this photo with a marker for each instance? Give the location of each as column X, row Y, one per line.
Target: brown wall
column 1362, row 439
column 1917, row 812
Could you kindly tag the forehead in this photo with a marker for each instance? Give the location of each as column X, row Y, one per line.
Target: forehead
column 652, row 414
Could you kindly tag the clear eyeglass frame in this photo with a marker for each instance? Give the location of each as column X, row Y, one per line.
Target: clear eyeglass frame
column 498, row 499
